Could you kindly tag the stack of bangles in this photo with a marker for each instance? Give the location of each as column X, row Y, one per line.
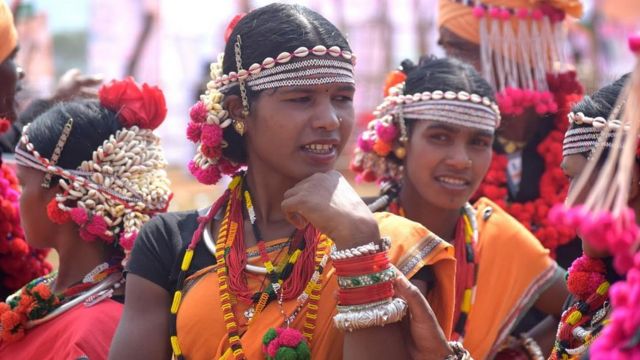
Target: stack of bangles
column 365, row 277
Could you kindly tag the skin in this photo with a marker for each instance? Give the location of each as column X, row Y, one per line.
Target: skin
column 462, row 154
column 10, row 77
column 572, row 166
column 77, row 257
column 287, row 194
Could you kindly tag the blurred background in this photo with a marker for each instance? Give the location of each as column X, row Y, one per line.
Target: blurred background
column 171, row 43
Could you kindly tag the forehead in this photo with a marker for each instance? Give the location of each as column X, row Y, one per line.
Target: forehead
column 427, row 125
column 573, row 164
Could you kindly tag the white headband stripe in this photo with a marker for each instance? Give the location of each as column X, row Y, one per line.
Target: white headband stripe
column 253, row 84
column 305, row 82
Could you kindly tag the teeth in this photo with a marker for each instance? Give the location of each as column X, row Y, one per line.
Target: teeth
column 319, row 148
column 452, row 181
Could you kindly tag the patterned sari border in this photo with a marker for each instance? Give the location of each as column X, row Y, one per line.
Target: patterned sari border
column 418, row 253
column 539, row 285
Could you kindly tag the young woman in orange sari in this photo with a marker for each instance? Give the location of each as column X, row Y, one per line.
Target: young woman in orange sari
column 430, row 146
column 252, row 276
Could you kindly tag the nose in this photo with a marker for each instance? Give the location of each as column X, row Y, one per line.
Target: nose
column 459, row 158
column 325, row 117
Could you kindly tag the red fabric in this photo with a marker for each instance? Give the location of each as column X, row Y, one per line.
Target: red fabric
column 81, row 331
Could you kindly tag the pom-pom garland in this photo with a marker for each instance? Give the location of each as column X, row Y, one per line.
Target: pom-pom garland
column 285, row 344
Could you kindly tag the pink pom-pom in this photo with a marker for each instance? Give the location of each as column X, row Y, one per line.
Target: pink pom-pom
column 227, row 167
column 208, row 176
column 272, row 348
column 542, row 109
column 386, row 133
column 79, row 215
column 290, row 337
column 126, row 241
column 194, row 131
column 198, row 112
column 98, row 227
column 634, row 43
column 537, row 15
column 522, row 13
column 479, row 12
column 366, row 142
column 494, row 12
column 504, row 14
column 211, row 135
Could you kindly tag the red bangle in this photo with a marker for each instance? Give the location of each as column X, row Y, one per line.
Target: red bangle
column 366, row 294
column 362, row 265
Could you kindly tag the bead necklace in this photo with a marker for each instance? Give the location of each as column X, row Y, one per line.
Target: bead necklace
column 583, row 321
column 465, row 244
column 229, row 234
column 36, row 303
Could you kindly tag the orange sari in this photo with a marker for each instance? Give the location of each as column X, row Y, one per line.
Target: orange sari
column 200, row 325
column 514, row 269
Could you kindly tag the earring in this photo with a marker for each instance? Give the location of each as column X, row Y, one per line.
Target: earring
column 239, row 127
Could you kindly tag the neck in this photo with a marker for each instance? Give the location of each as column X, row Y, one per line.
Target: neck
column 267, row 193
column 441, row 222
column 77, row 257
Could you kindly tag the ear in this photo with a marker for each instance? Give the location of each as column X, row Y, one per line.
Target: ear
column 233, row 104
column 634, row 189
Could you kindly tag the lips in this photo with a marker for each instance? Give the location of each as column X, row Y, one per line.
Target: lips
column 320, row 148
column 453, row 182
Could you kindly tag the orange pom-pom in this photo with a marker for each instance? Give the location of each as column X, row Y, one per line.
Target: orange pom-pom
column 393, row 78
column 42, row 291
column 382, row 148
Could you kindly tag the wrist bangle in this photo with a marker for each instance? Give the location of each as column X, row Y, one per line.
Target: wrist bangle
column 379, row 315
column 349, row 282
column 366, row 249
column 459, row 352
column 532, row 347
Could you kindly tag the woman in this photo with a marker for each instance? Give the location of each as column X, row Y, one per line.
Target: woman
column 92, row 172
column 431, row 146
column 19, row 263
column 591, row 275
column 280, row 102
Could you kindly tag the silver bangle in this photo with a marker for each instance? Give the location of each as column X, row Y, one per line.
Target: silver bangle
column 459, row 352
column 366, row 249
column 390, row 312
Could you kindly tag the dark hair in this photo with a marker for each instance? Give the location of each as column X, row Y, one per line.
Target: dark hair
column 445, row 74
column 92, row 125
column 266, row 32
column 600, row 104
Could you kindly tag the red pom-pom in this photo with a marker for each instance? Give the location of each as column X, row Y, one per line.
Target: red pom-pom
column 211, row 152
column 585, row 275
column 55, row 214
column 5, row 124
column 144, row 106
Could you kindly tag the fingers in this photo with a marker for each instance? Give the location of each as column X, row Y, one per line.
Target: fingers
column 418, row 305
column 89, row 80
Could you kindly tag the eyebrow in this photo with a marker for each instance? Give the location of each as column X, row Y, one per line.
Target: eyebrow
column 445, row 127
column 483, row 133
column 309, row 90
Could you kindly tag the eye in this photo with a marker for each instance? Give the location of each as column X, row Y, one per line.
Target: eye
column 481, row 142
column 300, row 99
column 343, row 98
column 440, row 137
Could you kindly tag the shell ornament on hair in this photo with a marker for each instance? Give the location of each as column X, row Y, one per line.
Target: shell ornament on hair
column 111, row 195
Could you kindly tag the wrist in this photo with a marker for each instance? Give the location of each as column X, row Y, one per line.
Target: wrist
column 363, row 232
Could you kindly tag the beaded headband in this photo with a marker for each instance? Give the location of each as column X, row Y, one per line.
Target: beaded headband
column 302, row 67
column 381, row 147
column 584, row 139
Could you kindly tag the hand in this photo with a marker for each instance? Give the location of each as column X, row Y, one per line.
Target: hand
column 426, row 339
column 327, row 201
column 73, row 83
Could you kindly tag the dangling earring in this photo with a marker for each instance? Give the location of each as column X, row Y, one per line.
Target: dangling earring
column 239, row 127
column 401, row 151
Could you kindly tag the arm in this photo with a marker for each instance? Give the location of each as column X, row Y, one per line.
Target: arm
column 550, row 302
column 143, row 332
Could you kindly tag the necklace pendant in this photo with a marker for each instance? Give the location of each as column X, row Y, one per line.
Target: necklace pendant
column 600, row 314
column 249, row 313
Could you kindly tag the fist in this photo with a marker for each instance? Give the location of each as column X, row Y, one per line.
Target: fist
column 331, row 205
